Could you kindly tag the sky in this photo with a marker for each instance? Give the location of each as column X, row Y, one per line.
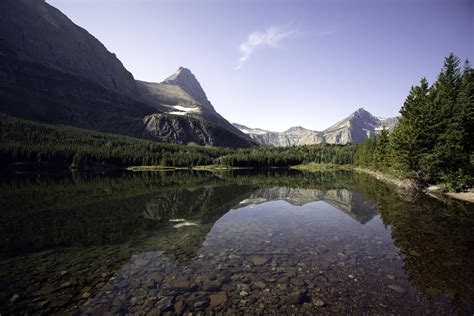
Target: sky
column 275, row 64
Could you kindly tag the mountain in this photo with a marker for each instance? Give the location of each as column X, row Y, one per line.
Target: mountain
column 355, row 128
column 53, row 71
column 181, row 94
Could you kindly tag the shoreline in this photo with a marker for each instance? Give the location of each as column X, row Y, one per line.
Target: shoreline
column 433, row 191
column 405, row 184
column 436, row 191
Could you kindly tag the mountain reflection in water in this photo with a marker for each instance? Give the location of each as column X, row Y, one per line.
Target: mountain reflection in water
column 274, row 241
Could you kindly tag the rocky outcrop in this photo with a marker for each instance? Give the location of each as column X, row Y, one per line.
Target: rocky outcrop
column 356, row 128
column 181, row 130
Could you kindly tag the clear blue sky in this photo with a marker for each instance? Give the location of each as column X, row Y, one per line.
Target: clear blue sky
column 277, row 64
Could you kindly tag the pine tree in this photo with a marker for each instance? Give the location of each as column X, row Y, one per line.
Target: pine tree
column 466, row 101
column 448, row 152
column 382, row 150
column 411, row 139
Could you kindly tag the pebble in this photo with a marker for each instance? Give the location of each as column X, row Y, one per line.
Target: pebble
column 218, row 299
column 258, row 260
column 396, row 288
column 179, row 307
column 295, row 298
column 319, row 302
column 46, row 290
column 200, row 304
column 14, row 298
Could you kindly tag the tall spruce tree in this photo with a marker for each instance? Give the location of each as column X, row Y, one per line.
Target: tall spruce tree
column 382, row 150
column 448, row 154
column 410, row 140
column 466, row 101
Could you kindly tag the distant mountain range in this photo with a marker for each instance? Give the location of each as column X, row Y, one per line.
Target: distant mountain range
column 355, row 128
column 53, row 71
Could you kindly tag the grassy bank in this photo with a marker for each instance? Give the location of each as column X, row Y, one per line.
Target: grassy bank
column 200, row 168
column 153, row 168
column 321, row 167
column 216, row 168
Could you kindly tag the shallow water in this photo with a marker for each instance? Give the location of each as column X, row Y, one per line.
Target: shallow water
column 256, row 242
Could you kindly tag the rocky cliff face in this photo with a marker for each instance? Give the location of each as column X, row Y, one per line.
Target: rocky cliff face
column 53, row 71
column 181, row 130
column 356, row 128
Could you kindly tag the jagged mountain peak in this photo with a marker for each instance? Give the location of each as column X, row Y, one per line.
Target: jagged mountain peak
column 181, row 74
column 361, row 112
column 358, row 118
column 185, row 79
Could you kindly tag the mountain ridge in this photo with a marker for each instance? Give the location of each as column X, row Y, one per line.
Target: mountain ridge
column 355, row 128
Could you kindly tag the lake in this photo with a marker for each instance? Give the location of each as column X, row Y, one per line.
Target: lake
column 275, row 241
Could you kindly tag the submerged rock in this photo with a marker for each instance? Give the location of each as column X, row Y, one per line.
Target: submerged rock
column 319, row 302
column 182, row 284
column 218, row 299
column 396, row 288
column 14, row 298
column 295, row 298
column 258, row 260
column 179, row 307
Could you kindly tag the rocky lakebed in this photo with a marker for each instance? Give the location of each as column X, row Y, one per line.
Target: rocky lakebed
column 335, row 243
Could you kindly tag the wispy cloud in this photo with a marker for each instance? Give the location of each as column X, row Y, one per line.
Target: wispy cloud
column 267, row 38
